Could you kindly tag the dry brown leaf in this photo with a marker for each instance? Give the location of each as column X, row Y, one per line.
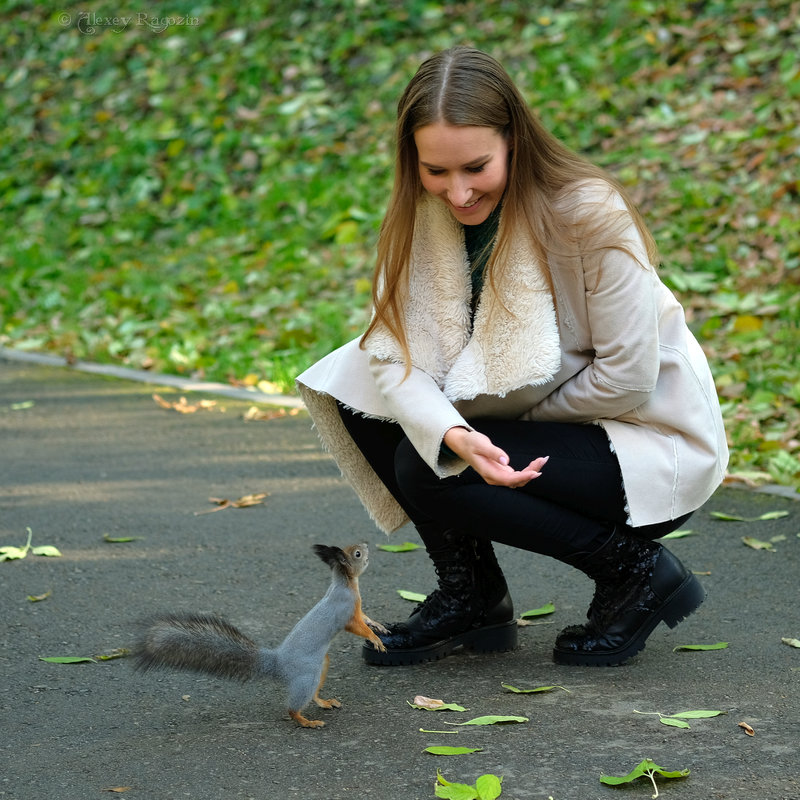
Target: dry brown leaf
column 254, row 413
column 118, row 789
column 747, row 729
column 249, row 500
column 427, row 702
column 243, row 502
column 183, row 406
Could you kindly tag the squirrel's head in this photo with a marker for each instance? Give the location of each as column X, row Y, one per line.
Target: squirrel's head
column 351, row 560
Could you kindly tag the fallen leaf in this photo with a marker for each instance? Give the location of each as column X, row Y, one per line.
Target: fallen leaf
column 119, row 652
column 674, row 723
column 254, row 413
column 444, row 750
column 431, row 704
column 648, row 768
column 679, row 534
column 67, row 659
column 427, row 702
column 757, row 544
column 735, row 518
column 491, row 719
column 9, row 553
column 118, row 539
column 717, row 646
column 405, row 547
column 547, row 608
column 414, row 597
column 747, row 729
column 183, row 406
column 118, row 789
column 700, row 714
column 37, row 598
column 509, row 688
column 46, row 550
column 791, row 642
column 243, row 502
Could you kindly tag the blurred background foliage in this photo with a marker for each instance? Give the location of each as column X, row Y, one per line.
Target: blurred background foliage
column 196, row 187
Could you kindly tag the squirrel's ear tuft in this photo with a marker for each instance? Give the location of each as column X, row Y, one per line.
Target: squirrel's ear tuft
column 330, row 555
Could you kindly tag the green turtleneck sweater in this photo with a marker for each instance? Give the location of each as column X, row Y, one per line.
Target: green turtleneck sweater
column 479, row 240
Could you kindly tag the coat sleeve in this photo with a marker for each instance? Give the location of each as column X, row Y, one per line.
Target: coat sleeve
column 621, row 294
column 422, row 411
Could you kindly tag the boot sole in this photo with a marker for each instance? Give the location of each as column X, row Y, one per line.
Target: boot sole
column 686, row 599
column 489, row 639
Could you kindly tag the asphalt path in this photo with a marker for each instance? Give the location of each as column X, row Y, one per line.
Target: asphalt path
column 86, row 458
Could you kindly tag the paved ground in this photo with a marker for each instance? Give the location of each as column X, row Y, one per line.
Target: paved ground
column 83, row 457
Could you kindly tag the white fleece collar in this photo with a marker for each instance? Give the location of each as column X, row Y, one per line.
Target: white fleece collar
column 517, row 345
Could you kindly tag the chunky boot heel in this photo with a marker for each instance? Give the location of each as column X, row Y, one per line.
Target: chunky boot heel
column 688, row 598
column 639, row 584
column 495, row 639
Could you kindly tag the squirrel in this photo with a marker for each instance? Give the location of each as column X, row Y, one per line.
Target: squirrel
column 208, row 643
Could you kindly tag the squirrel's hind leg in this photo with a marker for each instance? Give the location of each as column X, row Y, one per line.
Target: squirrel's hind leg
column 332, row 703
column 301, row 693
column 306, row 723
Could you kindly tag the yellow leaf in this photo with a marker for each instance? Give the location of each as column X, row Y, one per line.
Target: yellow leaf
column 747, row 323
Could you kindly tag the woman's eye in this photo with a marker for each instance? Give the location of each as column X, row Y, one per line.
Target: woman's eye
column 475, row 170
column 435, row 172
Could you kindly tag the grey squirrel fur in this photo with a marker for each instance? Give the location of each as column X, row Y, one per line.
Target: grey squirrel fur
column 208, row 643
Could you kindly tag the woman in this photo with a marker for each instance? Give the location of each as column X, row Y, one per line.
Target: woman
column 526, row 378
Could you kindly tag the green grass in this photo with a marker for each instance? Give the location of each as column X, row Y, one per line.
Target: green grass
column 205, row 199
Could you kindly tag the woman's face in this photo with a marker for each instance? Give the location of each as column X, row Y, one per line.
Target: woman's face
column 465, row 166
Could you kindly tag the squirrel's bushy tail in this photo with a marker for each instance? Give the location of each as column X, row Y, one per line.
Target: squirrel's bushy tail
column 201, row 643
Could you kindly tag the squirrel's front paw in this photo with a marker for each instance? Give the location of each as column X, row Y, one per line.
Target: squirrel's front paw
column 376, row 626
column 377, row 643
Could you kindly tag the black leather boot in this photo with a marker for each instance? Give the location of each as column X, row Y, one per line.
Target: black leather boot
column 639, row 583
column 471, row 607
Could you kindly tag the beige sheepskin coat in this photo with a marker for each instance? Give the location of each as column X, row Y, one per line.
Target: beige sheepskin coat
column 617, row 353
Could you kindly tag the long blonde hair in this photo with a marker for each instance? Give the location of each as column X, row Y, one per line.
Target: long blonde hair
column 465, row 86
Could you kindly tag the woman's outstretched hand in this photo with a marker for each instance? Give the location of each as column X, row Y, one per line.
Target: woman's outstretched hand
column 490, row 462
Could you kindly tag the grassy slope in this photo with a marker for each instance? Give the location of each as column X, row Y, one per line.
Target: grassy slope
column 205, row 198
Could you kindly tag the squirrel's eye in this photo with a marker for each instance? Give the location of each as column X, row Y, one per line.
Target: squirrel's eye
column 357, row 554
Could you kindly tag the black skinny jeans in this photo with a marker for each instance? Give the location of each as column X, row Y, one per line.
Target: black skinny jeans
column 568, row 512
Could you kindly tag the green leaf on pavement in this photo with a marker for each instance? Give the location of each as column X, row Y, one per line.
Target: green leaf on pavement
column 46, row 550
column 699, row 714
column 736, row 518
column 444, row 750
column 487, row 787
column 67, row 659
column 757, row 544
column 674, row 723
column 717, row 646
column 118, row 539
column 491, row 719
column 414, row 597
column 679, row 534
column 547, row 608
column 509, row 688
column 646, row 768
column 406, row 547
column 791, row 642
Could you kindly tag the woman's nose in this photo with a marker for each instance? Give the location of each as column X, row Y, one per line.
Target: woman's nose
column 459, row 192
